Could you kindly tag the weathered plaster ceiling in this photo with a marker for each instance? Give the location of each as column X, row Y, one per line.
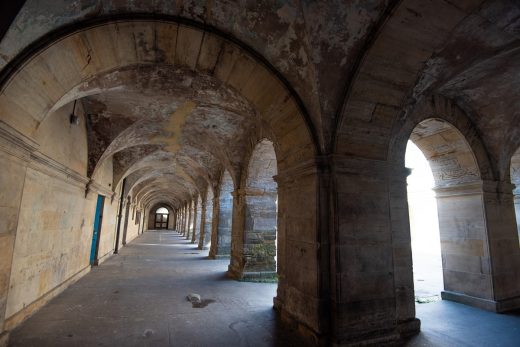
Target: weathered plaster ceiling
column 173, row 125
column 161, row 120
column 314, row 44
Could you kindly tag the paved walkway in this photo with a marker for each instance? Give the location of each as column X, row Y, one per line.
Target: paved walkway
column 138, row 298
column 446, row 323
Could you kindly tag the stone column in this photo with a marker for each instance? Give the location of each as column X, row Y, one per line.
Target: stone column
column 372, row 297
column 480, row 252
column 504, row 245
column 208, row 223
column 15, row 152
column 236, row 266
column 213, row 249
column 516, row 194
column 202, row 223
column 183, row 218
column 302, row 297
column 260, row 234
column 188, row 220
column 179, row 220
column 222, row 245
column 195, row 220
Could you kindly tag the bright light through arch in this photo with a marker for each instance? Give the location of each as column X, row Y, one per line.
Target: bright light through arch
column 424, row 225
column 162, row 210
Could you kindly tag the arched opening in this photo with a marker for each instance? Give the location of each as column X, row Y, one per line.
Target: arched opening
column 261, row 208
column 466, row 264
column 162, row 217
column 424, row 227
column 221, row 233
column 168, row 105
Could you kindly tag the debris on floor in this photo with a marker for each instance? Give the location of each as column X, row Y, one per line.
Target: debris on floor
column 197, row 302
column 193, row 297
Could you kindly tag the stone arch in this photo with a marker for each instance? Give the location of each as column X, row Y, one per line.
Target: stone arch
column 35, row 82
column 261, row 200
column 462, row 220
column 440, row 115
column 464, row 177
column 33, row 85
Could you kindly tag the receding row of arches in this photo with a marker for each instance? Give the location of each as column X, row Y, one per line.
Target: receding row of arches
column 176, row 116
column 207, row 220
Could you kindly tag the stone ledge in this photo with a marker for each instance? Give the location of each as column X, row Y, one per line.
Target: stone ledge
column 485, row 304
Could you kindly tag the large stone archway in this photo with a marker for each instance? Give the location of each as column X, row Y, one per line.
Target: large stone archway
column 415, row 53
column 78, row 62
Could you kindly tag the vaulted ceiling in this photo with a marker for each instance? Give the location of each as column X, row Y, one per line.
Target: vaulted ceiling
column 174, row 128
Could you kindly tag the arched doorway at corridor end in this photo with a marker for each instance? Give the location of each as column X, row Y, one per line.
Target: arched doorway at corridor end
column 161, row 218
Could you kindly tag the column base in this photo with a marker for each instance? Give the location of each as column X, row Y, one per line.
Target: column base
column 396, row 336
column 393, row 336
column 260, row 276
column 485, row 304
column 293, row 323
column 409, row 328
column 234, row 273
column 218, row 256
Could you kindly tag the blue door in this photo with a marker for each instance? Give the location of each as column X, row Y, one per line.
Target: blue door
column 97, row 229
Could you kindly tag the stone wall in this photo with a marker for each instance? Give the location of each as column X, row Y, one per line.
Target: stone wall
column 51, row 237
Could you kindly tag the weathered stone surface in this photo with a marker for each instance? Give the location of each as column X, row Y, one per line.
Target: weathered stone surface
column 195, row 106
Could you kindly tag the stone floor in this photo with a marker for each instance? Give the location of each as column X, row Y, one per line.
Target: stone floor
column 138, row 298
column 446, row 323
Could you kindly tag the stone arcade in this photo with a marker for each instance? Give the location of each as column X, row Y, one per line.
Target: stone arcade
column 273, row 134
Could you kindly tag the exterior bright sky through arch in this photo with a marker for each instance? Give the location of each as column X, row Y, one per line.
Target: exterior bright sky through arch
column 424, row 224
